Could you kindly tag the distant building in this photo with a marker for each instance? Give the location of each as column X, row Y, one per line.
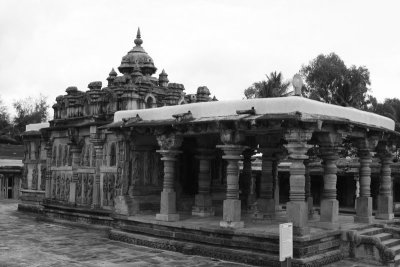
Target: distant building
column 11, row 167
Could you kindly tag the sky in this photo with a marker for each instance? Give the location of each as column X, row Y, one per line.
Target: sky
column 226, row 45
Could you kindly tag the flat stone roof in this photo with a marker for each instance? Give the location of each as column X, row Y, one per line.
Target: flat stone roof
column 36, row 126
column 280, row 105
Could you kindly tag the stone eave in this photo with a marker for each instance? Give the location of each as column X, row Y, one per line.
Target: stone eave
column 295, row 108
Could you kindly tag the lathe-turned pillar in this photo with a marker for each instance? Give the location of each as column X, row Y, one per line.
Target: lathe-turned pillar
column 203, row 201
column 232, row 154
column 248, row 178
column 169, row 145
column 385, row 197
column 329, row 145
column 364, row 202
column 297, row 208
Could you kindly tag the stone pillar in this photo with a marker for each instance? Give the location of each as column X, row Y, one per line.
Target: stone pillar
column 329, row 203
column 297, row 207
column 309, row 198
column 232, row 203
column 266, row 201
column 385, row 198
column 364, row 201
column 203, row 201
column 76, row 152
column 248, row 188
column 98, row 146
column 49, row 149
column 97, row 140
column 169, row 152
column 357, row 192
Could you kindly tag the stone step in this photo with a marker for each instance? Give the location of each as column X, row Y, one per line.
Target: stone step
column 391, row 242
column 383, row 236
column 371, row 231
column 220, row 252
column 396, row 249
column 397, row 260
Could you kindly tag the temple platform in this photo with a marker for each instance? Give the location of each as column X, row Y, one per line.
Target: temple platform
column 257, row 243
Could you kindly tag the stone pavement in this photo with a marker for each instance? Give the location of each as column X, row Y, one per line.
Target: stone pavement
column 27, row 242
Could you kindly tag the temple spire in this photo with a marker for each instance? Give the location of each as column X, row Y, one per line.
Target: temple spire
column 138, row 40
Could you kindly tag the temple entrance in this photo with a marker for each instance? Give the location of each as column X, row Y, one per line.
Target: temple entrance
column 7, row 187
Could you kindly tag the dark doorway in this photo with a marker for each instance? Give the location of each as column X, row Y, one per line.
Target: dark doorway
column 10, row 187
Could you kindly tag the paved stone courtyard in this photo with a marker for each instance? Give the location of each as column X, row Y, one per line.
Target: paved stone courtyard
column 27, row 242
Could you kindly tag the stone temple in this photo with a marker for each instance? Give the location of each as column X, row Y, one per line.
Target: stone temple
column 162, row 168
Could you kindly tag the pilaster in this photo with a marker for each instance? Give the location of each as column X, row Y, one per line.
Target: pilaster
column 76, row 152
column 98, row 141
column 49, row 149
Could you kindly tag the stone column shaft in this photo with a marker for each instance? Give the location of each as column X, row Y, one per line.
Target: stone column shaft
column 49, row 149
column 247, row 176
column 232, row 203
column 76, row 151
column 203, row 201
column 96, row 184
column 266, row 202
column 297, row 208
column 329, row 203
column 385, row 197
column 364, row 201
column 168, row 195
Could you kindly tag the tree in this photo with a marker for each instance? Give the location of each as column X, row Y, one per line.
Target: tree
column 30, row 110
column 274, row 86
column 4, row 118
column 390, row 108
column 329, row 80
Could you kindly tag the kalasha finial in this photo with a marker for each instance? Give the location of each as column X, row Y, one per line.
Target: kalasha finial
column 297, row 84
column 138, row 40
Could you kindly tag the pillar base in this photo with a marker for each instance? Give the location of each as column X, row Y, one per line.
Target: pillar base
column 168, row 202
column 297, row 213
column 232, row 210
column 329, row 210
column 72, row 192
column 385, row 208
column 167, row 217
column 234, row 225
column 265, row 209
column 310, row 205
column 364, row 210
column 203, row 206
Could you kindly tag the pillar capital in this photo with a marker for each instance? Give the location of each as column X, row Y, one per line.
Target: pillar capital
column 231, row 137
column 232, row 152
column 169, row 141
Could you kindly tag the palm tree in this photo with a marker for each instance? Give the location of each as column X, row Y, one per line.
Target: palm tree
column 274, row 86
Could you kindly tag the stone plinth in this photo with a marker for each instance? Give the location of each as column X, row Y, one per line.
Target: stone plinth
column 168, row 207
column 364, row 210
column 385, row 208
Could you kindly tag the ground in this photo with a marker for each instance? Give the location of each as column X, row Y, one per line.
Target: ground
column 25, row 241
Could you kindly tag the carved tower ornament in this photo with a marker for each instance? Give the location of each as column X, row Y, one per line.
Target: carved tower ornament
column 35, row 178
column 43, row 173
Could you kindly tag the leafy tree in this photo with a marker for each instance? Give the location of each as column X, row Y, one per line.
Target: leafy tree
column 30, row 110
column 4, row 117
column 274, row 86
column 329, row 80
column 389, row 108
